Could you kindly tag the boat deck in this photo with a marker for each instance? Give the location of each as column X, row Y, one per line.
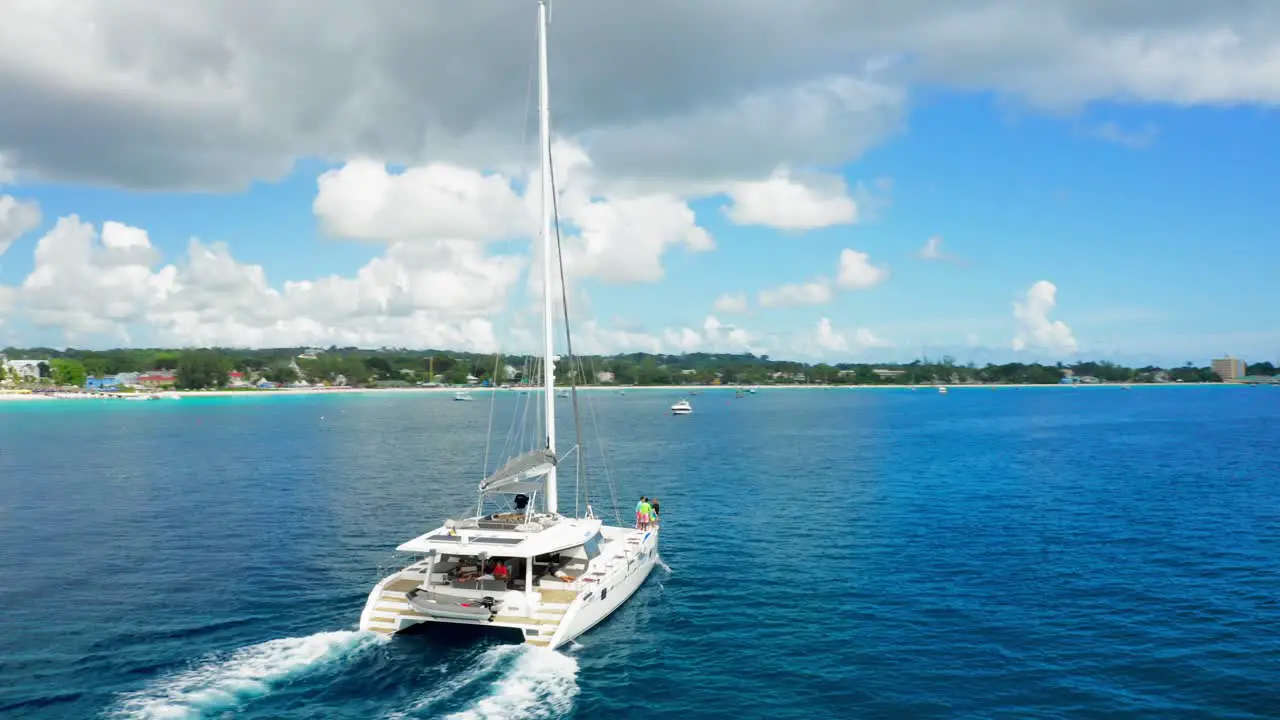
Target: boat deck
column 391, row 611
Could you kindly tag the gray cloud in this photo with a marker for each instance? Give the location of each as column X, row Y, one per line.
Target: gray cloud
column 210, row 94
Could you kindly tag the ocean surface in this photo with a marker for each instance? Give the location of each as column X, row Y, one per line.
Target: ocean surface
column 1029, row 553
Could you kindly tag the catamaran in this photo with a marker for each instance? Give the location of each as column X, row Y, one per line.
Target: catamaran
column 517, row 567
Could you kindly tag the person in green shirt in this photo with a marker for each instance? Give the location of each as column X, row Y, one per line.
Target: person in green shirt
column 643, row 511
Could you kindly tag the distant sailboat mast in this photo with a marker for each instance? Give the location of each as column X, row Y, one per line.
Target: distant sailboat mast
column 548, row 360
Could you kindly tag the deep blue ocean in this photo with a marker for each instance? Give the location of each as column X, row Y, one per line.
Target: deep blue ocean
column 1011, row 553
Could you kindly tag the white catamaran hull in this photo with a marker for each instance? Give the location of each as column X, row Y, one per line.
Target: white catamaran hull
column 553, row 615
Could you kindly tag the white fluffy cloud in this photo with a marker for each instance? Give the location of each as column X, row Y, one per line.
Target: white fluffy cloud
column 430, row 293
column 441, row 201
column 435, row 284
column 623, row 240
column 856, row 271
column 714, row 336
column 618, row 237
column 730, row 303
column 790, row 203
column 814, row 292
column 829, row 342
column 17, row 218
column 1034, row 328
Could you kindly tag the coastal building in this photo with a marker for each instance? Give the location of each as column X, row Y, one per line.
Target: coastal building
column 128, row 379
column 509, row 372
column 604, row 377
column 886, row 373
column 157, row 378
column 106, row 382
column 235, row 378
column 1228, row 368
column 27, row 370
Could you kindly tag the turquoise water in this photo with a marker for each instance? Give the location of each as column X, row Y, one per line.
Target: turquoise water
column 831, row 554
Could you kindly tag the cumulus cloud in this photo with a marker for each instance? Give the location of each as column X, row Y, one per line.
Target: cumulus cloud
column 614, row 235
column 91, row 284
column 814, row 292
column 1034, row 328
column 829, row 341
column 623, row 239
column 730, row 303
column 789, row 203
column 437, row 275
column 17, row 218
column 815, row 86
column 857, row 273
column 594, row 338
column 854, row 272
column 362, row 200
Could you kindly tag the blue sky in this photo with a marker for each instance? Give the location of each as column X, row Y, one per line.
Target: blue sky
column 1153, row 220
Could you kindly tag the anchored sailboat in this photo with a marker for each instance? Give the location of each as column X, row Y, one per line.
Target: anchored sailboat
column 535, row 573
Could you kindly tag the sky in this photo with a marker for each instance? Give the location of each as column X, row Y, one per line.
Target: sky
column 849, row 181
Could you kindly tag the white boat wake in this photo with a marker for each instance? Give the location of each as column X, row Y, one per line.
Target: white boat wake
column 524, row 683
column 222, row 683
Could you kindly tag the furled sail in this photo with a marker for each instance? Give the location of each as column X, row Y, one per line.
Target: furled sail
column 522, row 473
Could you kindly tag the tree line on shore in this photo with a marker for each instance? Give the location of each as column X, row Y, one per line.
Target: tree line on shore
column 210, row 368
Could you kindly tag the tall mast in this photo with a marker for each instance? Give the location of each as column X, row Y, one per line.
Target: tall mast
column 548, row 252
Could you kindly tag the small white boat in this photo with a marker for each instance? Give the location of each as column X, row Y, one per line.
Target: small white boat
column 681, row 408
column 752, row 389
column 463, row 396
column 942, row 389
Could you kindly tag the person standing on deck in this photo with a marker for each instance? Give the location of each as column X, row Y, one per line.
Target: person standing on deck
column 643, row 508
column 656, row 511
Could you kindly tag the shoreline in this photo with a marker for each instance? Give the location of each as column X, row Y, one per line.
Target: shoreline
column 10, row 396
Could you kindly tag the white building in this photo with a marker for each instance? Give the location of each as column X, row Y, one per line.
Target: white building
column 26, row 370
column 604, row 376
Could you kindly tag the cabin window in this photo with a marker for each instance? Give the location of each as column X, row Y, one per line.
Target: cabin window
column 604, row 593
column 592, row 547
